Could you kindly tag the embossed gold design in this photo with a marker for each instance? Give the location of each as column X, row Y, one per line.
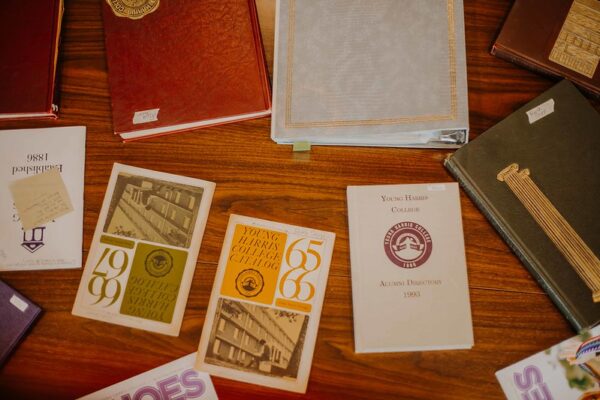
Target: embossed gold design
column 560, row 232
column 133, row 9
column 384, row 121
column 578, row 44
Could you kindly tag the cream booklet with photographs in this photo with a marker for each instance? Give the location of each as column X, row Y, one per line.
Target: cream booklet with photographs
column 143, row 255
column 409, row 275
column 264, row 310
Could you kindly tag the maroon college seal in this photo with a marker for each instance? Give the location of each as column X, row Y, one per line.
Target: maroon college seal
column 407, row 244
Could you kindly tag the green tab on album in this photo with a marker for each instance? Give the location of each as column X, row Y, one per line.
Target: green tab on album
column 113, row 241
column 153, row 284
column 301, row 146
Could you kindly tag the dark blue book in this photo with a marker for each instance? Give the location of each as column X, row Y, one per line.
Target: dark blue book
column 17, row 315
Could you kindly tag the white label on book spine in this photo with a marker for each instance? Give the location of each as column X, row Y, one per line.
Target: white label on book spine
column 141, row 117
column 17, row 302
column 541, row 111
column 436, row 187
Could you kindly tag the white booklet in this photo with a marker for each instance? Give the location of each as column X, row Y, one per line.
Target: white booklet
column 569, row 370
column 408, row 267
column 143, row 254
column 175, row 380
column 25, row 153
column 264, row 310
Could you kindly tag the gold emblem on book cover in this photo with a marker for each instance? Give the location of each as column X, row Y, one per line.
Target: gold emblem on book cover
column 133, row 9
column 578, row 44
column 555, row 226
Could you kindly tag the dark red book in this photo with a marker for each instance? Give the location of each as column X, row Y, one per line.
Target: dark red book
column 176, row 65
column 29, row 38
column 17, row 315
column 556, row 37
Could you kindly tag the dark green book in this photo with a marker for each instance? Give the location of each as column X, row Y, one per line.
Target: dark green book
column 536, row 177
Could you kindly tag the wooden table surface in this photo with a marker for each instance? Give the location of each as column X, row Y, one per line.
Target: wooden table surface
column 66, row 357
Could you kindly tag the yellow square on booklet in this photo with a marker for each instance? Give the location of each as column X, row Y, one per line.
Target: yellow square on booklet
column 253, row 264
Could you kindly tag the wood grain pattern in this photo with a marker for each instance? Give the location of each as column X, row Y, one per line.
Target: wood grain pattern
column 66, row 357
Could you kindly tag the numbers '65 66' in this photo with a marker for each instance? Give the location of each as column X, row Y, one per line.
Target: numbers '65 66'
column 104, row 283
column 292, row 282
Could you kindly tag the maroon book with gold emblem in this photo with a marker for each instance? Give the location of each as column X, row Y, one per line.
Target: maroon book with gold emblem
column 29, row 36
column 557, row 37
column 176, row 65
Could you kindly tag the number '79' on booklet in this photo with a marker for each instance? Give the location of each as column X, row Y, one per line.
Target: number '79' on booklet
column 143, row 254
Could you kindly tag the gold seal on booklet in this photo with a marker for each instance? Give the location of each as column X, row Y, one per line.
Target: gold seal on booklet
column 249, row 282
column 133, row 9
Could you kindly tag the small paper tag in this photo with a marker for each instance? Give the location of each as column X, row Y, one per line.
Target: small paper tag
column 40, row 198
column 541, row 111
column 141, row 117
column 301, row 146
column 17, row 302
column 436, row 187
